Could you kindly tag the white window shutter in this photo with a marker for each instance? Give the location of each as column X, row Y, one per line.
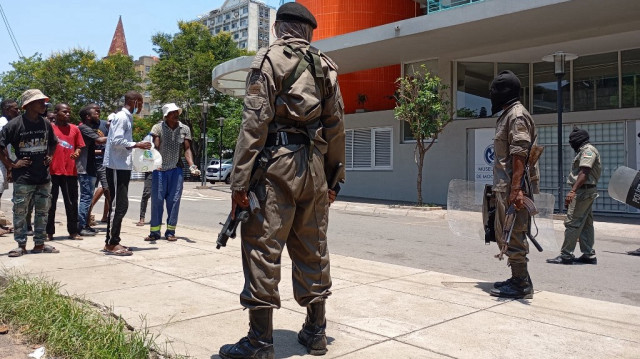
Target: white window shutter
column 362, row 148
column 382, row 148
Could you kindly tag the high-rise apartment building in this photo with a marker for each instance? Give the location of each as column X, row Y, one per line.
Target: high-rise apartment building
column 142, row 66
column 248, row 21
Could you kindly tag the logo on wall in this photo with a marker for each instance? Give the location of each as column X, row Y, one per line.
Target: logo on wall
column 489, row 154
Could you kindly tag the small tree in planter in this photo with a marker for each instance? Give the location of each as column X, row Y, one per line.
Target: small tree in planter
column 421, row 101
column 362, row 99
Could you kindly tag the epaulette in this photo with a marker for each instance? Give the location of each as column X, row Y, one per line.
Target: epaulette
column 329, row 61
column 259, row 59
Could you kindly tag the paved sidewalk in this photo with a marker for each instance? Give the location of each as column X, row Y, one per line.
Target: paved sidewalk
column 187, row 293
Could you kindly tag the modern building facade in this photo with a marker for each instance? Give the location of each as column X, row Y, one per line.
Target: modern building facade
column 142, row 66
column 466, row 43
column 248, row 21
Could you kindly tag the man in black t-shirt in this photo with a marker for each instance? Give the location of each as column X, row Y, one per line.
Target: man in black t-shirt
column 34, row 142
column 86, row 164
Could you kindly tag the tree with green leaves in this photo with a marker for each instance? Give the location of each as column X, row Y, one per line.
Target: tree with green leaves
column 76, row 77
column 183, row 76
column 421, row 101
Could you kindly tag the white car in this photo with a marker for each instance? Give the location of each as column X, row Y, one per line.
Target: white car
column 213, row 172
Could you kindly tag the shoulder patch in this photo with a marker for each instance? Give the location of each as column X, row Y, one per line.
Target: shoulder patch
column 259, row 59
column 587, row 154
column 330, row 62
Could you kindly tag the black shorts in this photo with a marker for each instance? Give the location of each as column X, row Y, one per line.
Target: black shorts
column 101, row 178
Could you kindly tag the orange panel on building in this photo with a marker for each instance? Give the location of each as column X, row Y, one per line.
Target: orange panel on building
column 337, row 17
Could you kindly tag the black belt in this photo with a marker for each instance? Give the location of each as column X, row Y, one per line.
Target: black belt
column 585, row 186
column 286, row 138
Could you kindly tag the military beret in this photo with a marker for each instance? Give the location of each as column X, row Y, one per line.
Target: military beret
column 292, row 11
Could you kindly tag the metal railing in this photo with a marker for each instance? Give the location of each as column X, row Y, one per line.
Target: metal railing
column 439, row 5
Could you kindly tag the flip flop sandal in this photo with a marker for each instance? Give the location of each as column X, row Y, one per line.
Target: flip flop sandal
column 122, row 252
column 18, row 252
column 76, row 237
column 46, row 249
column 171, row 238
column 151, row 238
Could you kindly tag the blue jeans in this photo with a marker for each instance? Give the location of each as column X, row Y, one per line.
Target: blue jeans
column 87, row 185
column 166, row 186
column 41, row 197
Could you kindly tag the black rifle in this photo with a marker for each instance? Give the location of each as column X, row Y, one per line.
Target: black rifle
column 242, row 214
column 525, row 185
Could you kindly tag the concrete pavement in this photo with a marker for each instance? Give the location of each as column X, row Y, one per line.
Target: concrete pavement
column 187, row 294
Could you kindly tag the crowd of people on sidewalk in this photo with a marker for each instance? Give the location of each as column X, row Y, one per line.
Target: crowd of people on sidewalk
column 46, row 156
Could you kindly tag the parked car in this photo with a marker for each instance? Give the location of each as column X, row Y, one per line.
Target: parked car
column 213, row 172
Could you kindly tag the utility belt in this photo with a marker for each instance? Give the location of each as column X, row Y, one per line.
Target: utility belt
column 286, row 138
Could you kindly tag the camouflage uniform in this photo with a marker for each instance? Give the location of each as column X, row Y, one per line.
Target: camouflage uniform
column 514, row 132
column 579, row 221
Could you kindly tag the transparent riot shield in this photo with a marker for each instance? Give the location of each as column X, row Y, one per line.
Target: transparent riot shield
column 466, row 220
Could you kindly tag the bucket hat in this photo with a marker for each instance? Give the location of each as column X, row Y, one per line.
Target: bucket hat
column 32, row 95
column 170, row 107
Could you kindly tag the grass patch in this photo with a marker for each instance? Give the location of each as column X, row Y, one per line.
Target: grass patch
column 69, row 327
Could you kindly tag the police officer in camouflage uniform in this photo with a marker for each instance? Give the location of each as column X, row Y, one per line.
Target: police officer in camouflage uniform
column 583, row 179
column 515, row 132
column 292, row 126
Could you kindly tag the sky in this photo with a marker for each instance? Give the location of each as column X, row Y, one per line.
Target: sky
column 59, row 25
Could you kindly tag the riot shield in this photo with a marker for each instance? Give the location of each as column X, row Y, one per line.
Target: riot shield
column 466, row 220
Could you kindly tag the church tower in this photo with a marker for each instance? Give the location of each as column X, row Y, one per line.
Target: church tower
column 119, row 41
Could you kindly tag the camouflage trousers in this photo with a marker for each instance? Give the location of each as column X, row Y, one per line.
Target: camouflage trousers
column 22, row 195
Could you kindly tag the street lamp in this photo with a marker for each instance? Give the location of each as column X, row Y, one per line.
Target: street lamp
column 205, row 111
column 559, row 59
column 221, row 122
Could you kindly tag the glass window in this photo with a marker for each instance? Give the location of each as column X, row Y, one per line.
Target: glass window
column 472, row 95
column 234, row 24
column 225, row 28
column 595, row 82
column 631, row 78
column 545, row 89
column 522, row 71
column 369, row 148
column 245, row 9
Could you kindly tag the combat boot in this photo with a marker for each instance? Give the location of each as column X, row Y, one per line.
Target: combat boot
column 312, row 335
column 503, row 283
column 258, row 344
column 519, row 286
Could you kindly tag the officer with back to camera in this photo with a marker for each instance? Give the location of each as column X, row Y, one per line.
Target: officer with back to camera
column 293, row 127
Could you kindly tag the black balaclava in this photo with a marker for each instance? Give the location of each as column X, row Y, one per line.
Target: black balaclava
column 577, row 138
column 504, row 90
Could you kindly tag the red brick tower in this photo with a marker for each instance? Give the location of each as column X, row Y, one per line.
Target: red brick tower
column 119, row 41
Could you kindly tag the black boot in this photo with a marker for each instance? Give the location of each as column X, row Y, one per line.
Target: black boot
column 312, row 335
column 519, row 286
column 258, row 344
column 503, row 283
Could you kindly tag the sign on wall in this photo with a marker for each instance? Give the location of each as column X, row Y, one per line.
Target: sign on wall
column 484, row 155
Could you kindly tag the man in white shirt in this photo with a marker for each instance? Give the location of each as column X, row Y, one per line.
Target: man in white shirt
column 10, row 109
column 118, row 162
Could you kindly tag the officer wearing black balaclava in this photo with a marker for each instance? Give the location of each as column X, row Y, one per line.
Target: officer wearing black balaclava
column 583, row 179
column 515, row 133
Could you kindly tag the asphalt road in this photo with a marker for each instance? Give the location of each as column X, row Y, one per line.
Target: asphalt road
column 429, row 244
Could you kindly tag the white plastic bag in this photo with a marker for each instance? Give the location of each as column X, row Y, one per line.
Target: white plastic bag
column 146, row 160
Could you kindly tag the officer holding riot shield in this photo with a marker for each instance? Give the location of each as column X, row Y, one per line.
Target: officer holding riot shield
column 515, row 134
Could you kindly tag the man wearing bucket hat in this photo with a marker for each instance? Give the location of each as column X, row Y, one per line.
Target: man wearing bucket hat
column 118, row 161
column 293, row 129
column 170, row 137
column 34, row 142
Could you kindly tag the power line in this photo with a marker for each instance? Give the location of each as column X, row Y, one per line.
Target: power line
column 16, row 46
